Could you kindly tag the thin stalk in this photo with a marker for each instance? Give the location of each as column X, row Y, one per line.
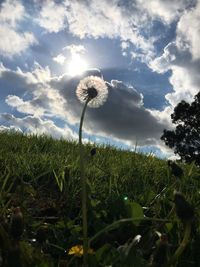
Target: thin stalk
column 116, row 224
column 84, row 189
column 182, row 245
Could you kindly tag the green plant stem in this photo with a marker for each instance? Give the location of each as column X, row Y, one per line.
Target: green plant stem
column 119, row 222
column 182, row 245
column 84, row 189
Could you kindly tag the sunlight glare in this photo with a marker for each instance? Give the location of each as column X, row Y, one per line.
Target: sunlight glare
column 77, row 65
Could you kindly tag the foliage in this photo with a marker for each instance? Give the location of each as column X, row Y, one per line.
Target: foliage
column 185, row 139
column 132, row 220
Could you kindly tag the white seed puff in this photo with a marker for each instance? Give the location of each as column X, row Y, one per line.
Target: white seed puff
column 93, row 88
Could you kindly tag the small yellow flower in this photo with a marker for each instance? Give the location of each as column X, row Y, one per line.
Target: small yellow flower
column 78, row 251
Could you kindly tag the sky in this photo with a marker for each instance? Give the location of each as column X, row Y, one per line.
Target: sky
column 147, row 52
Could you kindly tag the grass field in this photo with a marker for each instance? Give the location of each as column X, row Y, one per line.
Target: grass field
column 131, row 215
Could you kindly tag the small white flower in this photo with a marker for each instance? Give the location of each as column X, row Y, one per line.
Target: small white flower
column 94, row 89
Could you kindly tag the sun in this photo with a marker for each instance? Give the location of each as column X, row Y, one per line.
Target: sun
column 77, row 65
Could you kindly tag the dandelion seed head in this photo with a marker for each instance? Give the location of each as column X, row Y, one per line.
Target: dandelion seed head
column 94, row 89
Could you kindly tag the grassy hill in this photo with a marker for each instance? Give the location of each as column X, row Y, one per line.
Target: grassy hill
column 41, row 176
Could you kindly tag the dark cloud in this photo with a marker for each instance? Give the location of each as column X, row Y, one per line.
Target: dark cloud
column 123, row 116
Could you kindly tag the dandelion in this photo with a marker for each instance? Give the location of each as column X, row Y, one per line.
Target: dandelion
column 93, row 92
column 76, row 251
column 93, row 152
column 185, row 212
column 184, row 209
column 92, row 89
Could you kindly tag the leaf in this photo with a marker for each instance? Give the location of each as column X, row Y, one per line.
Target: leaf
column 191, row 169
column 134, row 210
column 60, row 179
column 169, row 227
column 107, row 255
column 102, row 250
column 5, row 182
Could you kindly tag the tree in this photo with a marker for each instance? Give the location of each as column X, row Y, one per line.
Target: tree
column 185, row 139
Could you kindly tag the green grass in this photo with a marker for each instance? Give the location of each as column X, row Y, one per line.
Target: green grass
column 41, row 175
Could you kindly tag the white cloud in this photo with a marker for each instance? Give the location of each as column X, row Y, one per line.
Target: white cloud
column 125, row 45
column 174, row 157
column 43, row 100
column 37, row 125
column 182, row 58
column 24, row 106
column 106, row 19
column 185, row 81
column 97, row 19
column 162, row 63
column 75, row 49
column 11, row 12
column 52, row 16
column 60, row 59
column 10, row 128
column 113, row 19
column 188, row 32
column 38, row 75
column 13, row 42
column 166, row 10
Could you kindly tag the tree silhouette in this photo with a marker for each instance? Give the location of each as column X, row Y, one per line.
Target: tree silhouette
column 185, row 139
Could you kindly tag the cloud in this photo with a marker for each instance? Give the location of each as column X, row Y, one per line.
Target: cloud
column 36, row 125
column 106, row 19
column 182, row 58
column 11, row 128
column 131, row 22
column 19, row 78
column 60, row 59
column 33, row 95
column 167, row 10
column 6, row 16
column 45, row 101
column 13, row 41
column 44, row 104
column 52, row 16
column 96, row 19
column 123, row 117
column 188, row 32
column 42, row 99
column 24, row 106
column 75, row 49
column 125, row 45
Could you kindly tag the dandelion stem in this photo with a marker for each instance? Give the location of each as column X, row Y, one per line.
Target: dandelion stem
column 84, row 190
column 182, row 245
